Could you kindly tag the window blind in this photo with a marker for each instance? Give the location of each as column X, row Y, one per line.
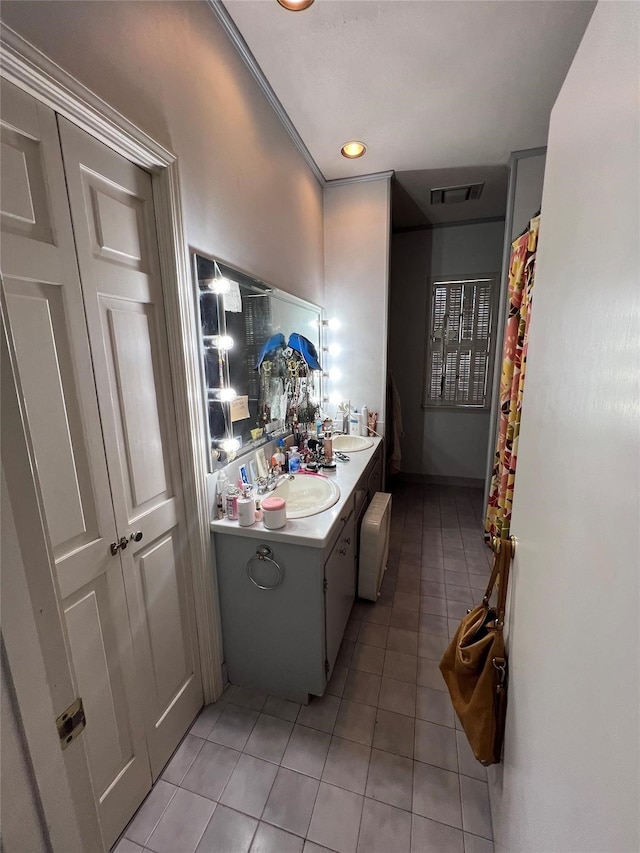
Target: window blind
column 459, row 342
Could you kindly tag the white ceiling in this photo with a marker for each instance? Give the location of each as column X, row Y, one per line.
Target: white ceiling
column 426, row 84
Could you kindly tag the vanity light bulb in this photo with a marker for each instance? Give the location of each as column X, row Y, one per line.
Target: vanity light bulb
column 335, row 398
column 230, row 445
column 336, row 375
column 334, row 323
column 226, row 395
column 225, row 342
column 334, row 349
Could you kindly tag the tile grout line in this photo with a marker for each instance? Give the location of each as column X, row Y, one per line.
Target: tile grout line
column 394, row 563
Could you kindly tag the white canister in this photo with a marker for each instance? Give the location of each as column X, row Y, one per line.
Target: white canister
column 274, row 513
column 246, row 511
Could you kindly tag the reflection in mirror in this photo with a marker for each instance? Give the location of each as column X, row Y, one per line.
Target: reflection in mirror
column 261, row 367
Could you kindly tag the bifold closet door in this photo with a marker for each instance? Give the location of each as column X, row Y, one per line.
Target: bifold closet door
column 47, row 324
column 114, row 226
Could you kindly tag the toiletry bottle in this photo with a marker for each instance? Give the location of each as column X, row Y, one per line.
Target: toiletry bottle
column 364, row 421
column 278, row 458
column 328, row 446
column 232, row 503
column 219, row 506
column 221, row 491
column 246, row 508
column 354, row 422
column 294, row 461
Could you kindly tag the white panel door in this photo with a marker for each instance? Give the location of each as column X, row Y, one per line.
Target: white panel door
column 49, row 330
column 114, row 226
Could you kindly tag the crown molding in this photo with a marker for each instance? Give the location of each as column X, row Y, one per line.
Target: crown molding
column 357, row 179
column 235, row 36
column 523, row 153
column 27, row 67
column 251, row 62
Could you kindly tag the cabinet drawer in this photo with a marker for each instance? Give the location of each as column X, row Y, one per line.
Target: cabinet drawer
column 338, row 527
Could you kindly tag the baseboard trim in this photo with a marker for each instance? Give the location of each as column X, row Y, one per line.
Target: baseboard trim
column 437, row 480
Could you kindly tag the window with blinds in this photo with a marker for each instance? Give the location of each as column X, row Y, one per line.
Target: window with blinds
column 460, row 325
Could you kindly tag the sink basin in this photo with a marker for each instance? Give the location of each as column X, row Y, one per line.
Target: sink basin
column 307, row 494
column 351, row 443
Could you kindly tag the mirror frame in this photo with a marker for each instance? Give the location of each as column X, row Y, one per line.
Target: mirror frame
column 217, row 457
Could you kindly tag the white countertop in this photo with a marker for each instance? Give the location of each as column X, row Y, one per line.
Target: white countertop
column 313, row 531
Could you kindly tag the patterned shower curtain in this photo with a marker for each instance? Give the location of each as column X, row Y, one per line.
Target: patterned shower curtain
column 516, row 337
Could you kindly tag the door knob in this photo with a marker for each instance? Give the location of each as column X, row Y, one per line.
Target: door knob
column 137, row 536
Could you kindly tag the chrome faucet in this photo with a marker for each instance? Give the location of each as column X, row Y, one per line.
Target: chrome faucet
column 271, row 481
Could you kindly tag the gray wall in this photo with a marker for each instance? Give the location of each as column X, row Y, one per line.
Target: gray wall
column 445, row 444
column 570, row 780
column 249, row 198
column 22, row 823
column 357, row 234
column 528, row 191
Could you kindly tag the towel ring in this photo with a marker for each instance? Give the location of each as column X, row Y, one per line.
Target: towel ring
column 265, row 555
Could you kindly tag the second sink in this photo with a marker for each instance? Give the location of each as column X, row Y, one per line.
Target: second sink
column 351, row 443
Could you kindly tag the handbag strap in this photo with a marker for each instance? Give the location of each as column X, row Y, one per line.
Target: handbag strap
column 501, row 565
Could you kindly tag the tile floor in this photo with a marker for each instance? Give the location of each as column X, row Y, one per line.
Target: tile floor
column 377, row 765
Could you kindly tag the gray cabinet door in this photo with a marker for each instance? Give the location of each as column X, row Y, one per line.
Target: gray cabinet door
column 340, row 585
column 273, row 638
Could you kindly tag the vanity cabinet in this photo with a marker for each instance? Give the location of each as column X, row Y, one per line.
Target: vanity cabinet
column 285, row 596
column 284, row 608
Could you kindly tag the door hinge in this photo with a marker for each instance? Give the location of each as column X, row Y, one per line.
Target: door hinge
column 326, row 667
column 71, row 722
column 325, row 584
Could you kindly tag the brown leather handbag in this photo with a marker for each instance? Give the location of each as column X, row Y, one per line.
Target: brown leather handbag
column 475, row 667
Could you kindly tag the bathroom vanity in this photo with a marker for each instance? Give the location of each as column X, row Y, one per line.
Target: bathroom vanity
column 286, row 595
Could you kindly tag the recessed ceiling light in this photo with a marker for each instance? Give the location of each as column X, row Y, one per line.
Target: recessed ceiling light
column 295, row 5
column 353, row 150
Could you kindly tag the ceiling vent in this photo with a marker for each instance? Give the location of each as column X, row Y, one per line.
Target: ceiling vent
column 456, row 195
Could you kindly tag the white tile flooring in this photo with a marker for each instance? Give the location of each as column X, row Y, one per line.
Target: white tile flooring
column 377, row 765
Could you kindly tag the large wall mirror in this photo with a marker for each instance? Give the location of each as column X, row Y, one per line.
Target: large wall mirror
column 261, row 359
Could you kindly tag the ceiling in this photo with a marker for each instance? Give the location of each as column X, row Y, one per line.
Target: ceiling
column 431, row 86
